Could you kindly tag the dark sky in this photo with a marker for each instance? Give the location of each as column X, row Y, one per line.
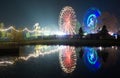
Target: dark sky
column 23, row 13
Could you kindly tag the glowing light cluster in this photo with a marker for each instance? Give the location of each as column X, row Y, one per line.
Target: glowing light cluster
column 91, row 20
column 68, row 58
column 91, row 59
column 67, row 20
column 37, row 31
column 60, row 33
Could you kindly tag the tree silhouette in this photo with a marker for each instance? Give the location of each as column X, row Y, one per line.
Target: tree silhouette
column 80, row 32
column 104, row 33
column 104, row 30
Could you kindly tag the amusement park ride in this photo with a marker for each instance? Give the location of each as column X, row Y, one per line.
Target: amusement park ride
column 67, row 20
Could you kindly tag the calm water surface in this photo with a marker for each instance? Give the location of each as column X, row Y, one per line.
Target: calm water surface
column 41, row 61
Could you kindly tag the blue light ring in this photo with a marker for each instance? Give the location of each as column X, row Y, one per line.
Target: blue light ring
column 90, row 11
column 94, row 66
column 95, row 56
column 92, row 16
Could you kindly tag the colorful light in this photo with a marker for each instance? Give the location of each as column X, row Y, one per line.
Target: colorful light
column 29, row 33
column 91, row 59
column 68, row 58
column 67, row 20
column 91, row 20
column 92, row 56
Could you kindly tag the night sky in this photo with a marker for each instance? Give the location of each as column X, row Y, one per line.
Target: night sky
column 23, row 13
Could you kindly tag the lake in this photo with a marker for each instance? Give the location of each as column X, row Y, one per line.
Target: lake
column 57, row 61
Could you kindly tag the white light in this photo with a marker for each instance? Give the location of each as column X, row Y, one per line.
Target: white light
column 111, row 33
column 60, row 33
column 36, row 24
column 116, row 36
column 85, row 33
column 100, row 48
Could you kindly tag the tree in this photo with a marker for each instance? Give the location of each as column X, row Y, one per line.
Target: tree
column 1, row 25
column 80, row 32
column 104, row 33
column 3, row 33
column 78, row 25
column 104, row 30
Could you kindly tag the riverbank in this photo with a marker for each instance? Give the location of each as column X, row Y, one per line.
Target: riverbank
column 71, row 42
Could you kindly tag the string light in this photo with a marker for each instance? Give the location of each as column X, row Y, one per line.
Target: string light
column 26, row 29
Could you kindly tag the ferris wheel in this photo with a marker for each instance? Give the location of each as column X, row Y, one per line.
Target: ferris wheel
column 91, row 20
column 67, row 20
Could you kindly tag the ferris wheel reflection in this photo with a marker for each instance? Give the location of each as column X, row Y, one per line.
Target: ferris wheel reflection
column 91, row 59
column 68, row 58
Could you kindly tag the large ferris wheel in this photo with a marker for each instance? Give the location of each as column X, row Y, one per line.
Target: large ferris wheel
column 67, row 20
column 91, row 20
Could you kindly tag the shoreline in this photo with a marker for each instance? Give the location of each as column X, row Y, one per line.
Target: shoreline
column 70, row 42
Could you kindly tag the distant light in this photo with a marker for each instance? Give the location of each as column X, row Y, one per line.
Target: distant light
column 85, row 33
column 100, row 48
column 111, row 33
column 60, row 33
column 115, row 35
column 36, row 24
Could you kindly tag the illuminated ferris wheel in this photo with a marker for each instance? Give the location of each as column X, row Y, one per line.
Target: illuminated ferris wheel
column 91, row 20
column 68, row 59
column 67, row 20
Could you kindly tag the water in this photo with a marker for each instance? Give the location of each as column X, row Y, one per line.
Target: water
column 41, row 61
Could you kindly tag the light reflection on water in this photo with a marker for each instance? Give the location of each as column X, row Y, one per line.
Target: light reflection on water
column 93, row 57
column 41, row 51
column 37, row 51
column 68, row 58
